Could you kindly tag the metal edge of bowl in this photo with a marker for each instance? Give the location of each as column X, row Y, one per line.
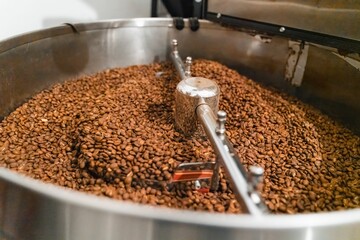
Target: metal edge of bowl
column 282, row 221
column 68, row 28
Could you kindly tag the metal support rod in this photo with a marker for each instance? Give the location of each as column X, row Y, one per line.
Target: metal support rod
column 154, row 8
column 176, row 59
column 198, row 8
column 188, row 63
column 216, row 175
column 232, row 167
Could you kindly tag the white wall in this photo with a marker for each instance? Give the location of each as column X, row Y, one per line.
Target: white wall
column 19, row 16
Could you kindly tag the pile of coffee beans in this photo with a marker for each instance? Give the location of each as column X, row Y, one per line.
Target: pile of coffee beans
column 104, row 133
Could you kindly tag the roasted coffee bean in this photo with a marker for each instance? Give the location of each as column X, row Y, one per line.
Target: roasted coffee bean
column 110, row 133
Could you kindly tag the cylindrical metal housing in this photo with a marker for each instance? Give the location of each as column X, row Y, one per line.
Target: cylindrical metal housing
column 191, row 92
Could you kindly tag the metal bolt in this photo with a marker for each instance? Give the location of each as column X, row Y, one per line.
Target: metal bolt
column 174, row 44
column 188, row 63
column 197, row 184
column 282, row 29
column 255, row 197
column 257, row 171
column 255, row 176
column 221, row 120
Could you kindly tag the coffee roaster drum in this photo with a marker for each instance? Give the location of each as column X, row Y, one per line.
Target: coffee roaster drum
column 35, row 61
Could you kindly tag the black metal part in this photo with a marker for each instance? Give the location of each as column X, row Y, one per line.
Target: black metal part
column 179, row 8
column 179, row 23
column 154, row 8
column 198, row 8
column 194, row 24
column 342, row 44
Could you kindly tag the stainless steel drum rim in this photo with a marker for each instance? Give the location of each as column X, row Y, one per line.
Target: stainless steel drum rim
column 69, row 28
column 183, row 216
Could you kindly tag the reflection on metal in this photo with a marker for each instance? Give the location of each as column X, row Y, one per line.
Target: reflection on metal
column 188, row 63
column 353, row 62
column 263, row 38
column 309, row 234
column 337, row 18
column 296, row 63
column 282, row 29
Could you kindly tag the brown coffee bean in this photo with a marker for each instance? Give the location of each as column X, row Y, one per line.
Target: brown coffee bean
column 128, row 180
column 312, row 196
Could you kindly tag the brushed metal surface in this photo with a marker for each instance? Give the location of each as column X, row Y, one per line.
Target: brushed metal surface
column 32, row 62
column 337, row 18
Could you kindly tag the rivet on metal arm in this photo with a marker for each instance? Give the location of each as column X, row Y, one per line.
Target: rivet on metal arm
column 221, row 120
column 174, row 46
column 188, row 63
column 255, row 178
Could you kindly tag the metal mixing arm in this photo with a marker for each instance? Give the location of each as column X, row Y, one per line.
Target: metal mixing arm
column 196, row 100
column 175, row 57
column 244, row 187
